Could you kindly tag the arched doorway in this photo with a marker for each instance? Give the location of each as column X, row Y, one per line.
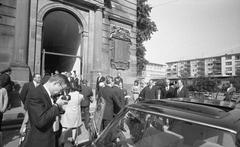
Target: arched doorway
column 61, row 46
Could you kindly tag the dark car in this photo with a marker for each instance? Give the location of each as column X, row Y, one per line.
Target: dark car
column 11, row 124
column 172, row 123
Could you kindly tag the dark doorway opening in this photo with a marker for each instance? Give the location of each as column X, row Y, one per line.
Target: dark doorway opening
column 61, row 35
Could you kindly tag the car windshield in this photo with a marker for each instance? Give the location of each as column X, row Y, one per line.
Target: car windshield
column 141, row 129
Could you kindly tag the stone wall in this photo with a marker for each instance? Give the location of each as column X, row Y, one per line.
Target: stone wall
column 122, row 14
column 21, row 35
column 7, row 31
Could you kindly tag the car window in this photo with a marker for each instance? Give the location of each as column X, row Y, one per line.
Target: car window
column 140, row 129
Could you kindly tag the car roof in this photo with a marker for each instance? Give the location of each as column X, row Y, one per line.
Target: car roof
column 192, row 112
column 224, row 105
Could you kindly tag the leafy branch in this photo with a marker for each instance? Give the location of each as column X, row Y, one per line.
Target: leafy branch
column 145, row 28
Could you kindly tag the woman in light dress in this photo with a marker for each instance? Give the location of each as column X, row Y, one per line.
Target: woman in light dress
column 135, row 90
column 71, row 120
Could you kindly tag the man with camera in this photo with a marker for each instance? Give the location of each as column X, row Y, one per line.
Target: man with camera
column 44, row 112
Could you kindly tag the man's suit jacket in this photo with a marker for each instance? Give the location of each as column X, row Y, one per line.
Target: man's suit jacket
column 170, row 93
column 75, row 82
column 118, row 79
column 111, row 100
column 119, row 94
column 87, row 93
column 149, row 93
column 25, row 90
column 183, row 92
column 42, row 115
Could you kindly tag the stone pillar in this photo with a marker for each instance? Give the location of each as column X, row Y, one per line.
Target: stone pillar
column 97, row 51
column 98, row 40
column 38, row 47
column 21, row 34
column 20, row 70
column 32, row 34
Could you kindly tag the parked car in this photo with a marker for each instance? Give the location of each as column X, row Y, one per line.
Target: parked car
column 172, row 123
column 11, row 124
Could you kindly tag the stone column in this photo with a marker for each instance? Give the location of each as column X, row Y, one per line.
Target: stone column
column 97, row 50
column 98, row 40
column 32, row 34
column 21, row 34
column 20, row 70
column 38, row 60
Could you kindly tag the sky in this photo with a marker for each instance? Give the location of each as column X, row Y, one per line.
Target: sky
column 189, row 29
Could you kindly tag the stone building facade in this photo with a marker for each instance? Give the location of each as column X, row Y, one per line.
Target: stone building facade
column 87, row 36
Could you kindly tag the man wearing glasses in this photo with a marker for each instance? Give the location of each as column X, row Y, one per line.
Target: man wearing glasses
column 44, row 113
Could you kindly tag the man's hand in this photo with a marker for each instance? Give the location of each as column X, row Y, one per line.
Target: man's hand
column 61, row 102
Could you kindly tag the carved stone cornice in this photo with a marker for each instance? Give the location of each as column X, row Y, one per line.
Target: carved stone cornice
column 121, row 20
column 120, row 33
column 90, row 4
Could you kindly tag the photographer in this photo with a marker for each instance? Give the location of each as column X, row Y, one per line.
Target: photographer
column 44, row 113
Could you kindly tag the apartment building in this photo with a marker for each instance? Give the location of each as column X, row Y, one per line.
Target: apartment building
column 184, row 68
column 197, row 68
column 231, row 64
column 155, row 71
column 216, row 66
column 172, row 70
column 213, row 66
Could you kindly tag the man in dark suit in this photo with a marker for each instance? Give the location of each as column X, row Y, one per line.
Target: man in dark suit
column 118, row 78
column 30, row 86
column 182, row 91
column 76, row 81
column 87, row 93
column 149, row 92
column 111, row 101
column 168, row 91
column 100, row 79
column 70, row 79
column 27, row 87
column 119, row 93
column 44, row 113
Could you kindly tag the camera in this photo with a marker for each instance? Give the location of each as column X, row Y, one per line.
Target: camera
column 66, row 97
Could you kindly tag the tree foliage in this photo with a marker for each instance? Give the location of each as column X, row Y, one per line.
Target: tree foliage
column 145, row 28
column 205, row 84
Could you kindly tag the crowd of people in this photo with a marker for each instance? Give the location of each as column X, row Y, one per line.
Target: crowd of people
column 58, row 105
column 153, row 90
column 55, row 106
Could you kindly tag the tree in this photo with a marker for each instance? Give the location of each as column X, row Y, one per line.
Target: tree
column 205, row 84
column 145, row 28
